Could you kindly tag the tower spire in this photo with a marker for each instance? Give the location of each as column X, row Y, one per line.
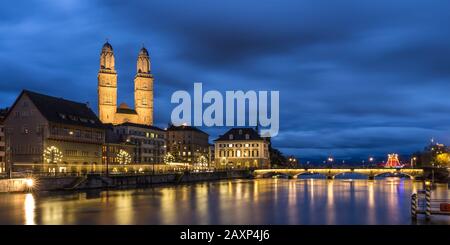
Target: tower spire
column 107, row 84
column 143, row 88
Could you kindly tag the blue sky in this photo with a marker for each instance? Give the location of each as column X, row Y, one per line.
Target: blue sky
column 356, row 78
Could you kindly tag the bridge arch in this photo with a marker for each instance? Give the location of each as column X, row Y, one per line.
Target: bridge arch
column 331, row 173
column 309, row 173
column 357, row 175
column 400, row 174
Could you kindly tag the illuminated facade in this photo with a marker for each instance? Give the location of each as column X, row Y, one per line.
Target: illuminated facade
column 117, row 156
column 107, row 90
column 188, row 145
column 242, row 148
column 149, row 145
column 53, row 135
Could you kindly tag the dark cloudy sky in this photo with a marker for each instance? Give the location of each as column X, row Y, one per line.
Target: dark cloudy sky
column 355, row 77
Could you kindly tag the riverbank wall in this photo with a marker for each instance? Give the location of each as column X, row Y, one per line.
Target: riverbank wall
column 113, row 181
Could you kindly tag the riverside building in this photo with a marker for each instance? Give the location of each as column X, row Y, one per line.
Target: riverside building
column 241, row 148
column 53, row 135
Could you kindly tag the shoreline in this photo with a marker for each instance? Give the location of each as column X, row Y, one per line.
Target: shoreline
column 91, row 182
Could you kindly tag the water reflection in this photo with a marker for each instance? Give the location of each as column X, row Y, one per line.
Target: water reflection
column 261, row 201
column 29, row 209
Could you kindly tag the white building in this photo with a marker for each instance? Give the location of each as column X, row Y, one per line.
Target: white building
column 242, row 148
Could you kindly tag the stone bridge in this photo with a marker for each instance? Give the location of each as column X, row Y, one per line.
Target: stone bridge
column 330, row 173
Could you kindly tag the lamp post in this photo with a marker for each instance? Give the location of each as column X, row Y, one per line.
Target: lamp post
column 330, row 160
column 413, row 161
column 371, row 161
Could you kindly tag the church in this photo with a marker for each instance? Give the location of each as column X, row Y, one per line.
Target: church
column 108, row 111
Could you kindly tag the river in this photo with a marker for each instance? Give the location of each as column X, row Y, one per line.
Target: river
column 259, row 201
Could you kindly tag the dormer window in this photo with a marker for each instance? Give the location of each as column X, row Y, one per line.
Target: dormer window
column 240, row 131
column 247, row 136
column 63, row 116
column 231, row 137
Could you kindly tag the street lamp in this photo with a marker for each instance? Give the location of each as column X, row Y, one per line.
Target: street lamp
column 413, row 161
column 330, row 160
column 370, row 161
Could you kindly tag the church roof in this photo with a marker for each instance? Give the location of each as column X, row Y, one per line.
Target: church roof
column 239, row 134
column 143, row 51
column 123, row 105
column 59, row 110
column 122, row 110
column 107, row 47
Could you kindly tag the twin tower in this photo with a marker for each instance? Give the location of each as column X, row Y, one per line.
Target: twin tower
column 107, row 91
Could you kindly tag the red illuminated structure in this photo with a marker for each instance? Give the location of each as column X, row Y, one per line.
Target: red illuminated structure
column 393, row 161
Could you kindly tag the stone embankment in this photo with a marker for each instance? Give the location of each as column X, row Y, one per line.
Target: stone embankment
column 95, row 181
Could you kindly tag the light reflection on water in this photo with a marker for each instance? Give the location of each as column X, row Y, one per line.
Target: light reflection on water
column 29, row 209
column 261, row 201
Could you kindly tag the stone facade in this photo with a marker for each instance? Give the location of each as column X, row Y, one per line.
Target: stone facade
column 107, row 91
column 149, row 141
column 241, row 148
column 53, row 135
column 188, row 145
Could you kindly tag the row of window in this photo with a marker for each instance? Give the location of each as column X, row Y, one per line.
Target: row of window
column 238, row 145
column 75, row 153
column 151, row 151
column 147, row 142
column 76, row 118
column 239, row 153
column 140, row 133
column 77, row 133
column 231, row 136
column 188, row 148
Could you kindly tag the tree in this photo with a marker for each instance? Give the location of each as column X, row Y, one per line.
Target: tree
column 443, row 159
column 276, row 157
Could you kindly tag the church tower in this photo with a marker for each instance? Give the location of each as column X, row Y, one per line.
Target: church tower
column 143, row 89
column 107, row 85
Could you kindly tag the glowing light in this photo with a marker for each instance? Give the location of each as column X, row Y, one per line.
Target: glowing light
column 29, row 183
column 29, row 208
column 393, row 161
column 169, row 158
column 52, row 155
column 123, row 157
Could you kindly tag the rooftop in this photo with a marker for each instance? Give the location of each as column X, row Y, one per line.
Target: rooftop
column 240, row 134
column 184, row 128
column 59, row 110
column 140, row 126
